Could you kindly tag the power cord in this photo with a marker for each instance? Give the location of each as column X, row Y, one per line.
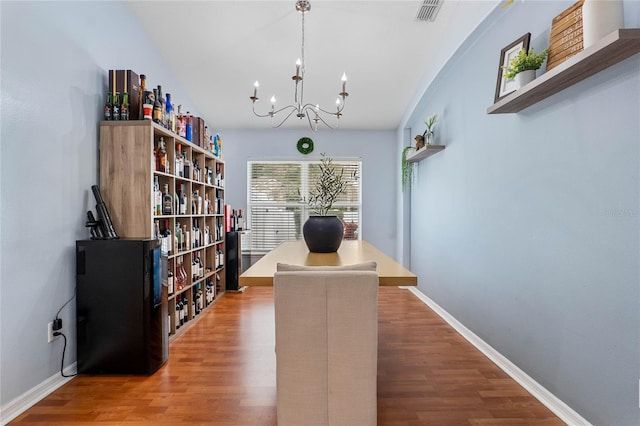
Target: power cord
column 57, row 325
column 59, row 333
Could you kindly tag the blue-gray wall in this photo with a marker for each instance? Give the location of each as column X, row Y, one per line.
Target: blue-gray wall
column 375, row 148
column 526, row 227
column 55, row 59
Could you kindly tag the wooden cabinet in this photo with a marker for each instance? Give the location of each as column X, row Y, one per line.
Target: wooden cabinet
column 127, row 181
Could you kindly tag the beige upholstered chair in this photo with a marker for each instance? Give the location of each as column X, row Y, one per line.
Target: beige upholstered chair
column 326, row 345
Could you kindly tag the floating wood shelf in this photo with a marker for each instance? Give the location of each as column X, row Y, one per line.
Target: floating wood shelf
column 414, row 156
column 614, row 48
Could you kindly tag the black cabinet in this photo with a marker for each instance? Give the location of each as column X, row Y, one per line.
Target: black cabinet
column 233, row 258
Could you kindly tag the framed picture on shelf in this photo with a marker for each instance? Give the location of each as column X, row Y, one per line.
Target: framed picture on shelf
column 505, row 86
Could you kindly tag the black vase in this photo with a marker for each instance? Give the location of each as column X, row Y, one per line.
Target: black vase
column 323, row 234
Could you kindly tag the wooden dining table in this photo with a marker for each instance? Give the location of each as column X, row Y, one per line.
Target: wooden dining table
column 390, row 272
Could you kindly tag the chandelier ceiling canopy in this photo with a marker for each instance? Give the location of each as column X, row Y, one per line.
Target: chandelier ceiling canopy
column 313, row 112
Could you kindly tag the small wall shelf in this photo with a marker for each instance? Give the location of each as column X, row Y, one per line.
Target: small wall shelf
column 414, row 156
column 616, row 47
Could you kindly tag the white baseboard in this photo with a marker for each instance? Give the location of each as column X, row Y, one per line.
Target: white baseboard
column 553, row 403
column 13, row 409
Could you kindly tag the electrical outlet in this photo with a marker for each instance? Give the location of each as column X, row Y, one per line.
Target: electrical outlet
column 50, row 336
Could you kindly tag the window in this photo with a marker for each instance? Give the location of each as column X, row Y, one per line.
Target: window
column 275, row 212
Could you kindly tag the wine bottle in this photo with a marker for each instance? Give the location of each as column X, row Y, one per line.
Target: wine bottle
column 179, row 237
column 115, row 113
column 124, row 107
column 143, row 79
column 198, row 297
column 186, row 238
column 157, row 108
column 240, row 220
column 168, row 238
column 186, row 164
column 185, row 309
column 163, row 108
column 178, row 313
column 171, row 114
column 157, row 197
column 167, row 200
column 183, row 200
column 194, row 269
column 108, row 107
column 170, row 281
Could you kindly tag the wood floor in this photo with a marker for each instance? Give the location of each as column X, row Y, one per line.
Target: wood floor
column 222, row 372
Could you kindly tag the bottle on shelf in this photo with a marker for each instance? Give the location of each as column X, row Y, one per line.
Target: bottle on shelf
column 179, row 164
column 171, row 114
column 240, row 221
column 157, row 108
column 183, row 200
column 178, row 313
column 124, row 107
column 194, row 269
column 161, row 156
column 167, row 200
column 163, row 108
column 143, row 80
column 194, row 173
column 178, row 276
column 198, row 199
column 157, row 197
column 170, row 281
column 108, row 107
column 198, row 300
column 186, row 237
column 184, row 273
column 167, row 240
column 234, row 220
column 185, row 309
column 181, row 124
column 207, row 236
column 115, row 114
column 179, row 241
column 189, row 126
column 186, row 164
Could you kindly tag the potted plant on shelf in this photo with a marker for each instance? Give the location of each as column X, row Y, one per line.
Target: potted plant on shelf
column 407, row 169
column 323, row 232
column 523, row 66
column 428, row 134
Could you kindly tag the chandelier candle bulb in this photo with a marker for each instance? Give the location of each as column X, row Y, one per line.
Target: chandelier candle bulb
column 255, row 89
column 298, row 63
column 344, row 82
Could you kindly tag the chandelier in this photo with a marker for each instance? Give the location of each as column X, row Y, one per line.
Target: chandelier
column 312, row 112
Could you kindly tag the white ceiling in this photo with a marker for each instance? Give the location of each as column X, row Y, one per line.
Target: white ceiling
column 217, row 49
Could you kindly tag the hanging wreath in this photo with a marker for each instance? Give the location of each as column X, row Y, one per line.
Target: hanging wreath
column 305, row 145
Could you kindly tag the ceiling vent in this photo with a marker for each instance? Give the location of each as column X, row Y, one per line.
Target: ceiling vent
column 428, row 10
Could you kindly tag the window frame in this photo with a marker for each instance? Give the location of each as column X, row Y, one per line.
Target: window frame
column 304, row 191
